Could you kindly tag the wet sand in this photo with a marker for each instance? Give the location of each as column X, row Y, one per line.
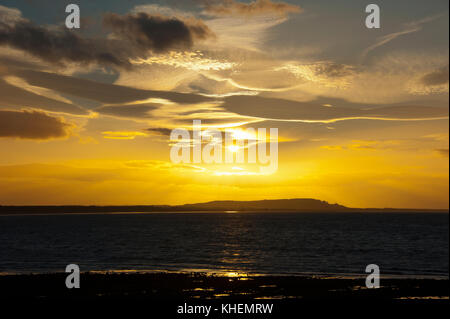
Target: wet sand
column 200, row 286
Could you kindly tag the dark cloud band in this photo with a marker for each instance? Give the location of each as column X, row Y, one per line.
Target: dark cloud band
column 32, row 125
column 59, row 45
column 135, row 35
column 155, row 32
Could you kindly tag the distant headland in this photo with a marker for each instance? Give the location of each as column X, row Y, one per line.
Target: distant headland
column 277, row 205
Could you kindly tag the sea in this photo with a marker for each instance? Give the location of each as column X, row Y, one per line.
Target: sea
column 400, row 244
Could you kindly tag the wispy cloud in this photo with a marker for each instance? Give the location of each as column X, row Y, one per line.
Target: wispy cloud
column 411, row 27
column 254, row 8
column 122, row 135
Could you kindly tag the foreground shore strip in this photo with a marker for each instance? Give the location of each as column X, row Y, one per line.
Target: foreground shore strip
column 200, row 286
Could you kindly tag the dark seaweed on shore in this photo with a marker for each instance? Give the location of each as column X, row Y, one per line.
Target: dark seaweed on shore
column 197, row 286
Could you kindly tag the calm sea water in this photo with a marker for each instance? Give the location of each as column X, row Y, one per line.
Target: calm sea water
column 264, row 243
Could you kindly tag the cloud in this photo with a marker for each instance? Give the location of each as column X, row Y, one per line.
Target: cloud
column 254, row 8
column 122, row 135
column 20, row 61
column 162, row 131
column 317, row 111
column 32, row 125
column 59, row 45
column 437, row 137
column 134, row 35
column 443, row 152
column 137, row 111
column 329, row 74
column 102, row 92
column 411, row 27
column 127, row 102
column 155, row 32
column 194, row 61
column 438, row 77
column 156, row 9
column 211, row 87
column 365, row 145
column 10, row 15
column 14, row 96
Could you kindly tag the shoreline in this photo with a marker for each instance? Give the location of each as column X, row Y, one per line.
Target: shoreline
column 191, row 286
column 232, row 274
column 356, row 211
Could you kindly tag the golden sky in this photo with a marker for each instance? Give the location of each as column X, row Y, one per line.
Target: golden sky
column 362, row 114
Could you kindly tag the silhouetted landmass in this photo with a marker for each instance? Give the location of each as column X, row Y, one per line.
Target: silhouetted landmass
column 284, row 205
column 261, row 205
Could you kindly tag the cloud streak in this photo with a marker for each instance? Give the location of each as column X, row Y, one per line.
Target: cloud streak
column 314, row 112
column 254, row 8
column 32, row 125
column 409, row 28
column 102, row 92
column 16, row 97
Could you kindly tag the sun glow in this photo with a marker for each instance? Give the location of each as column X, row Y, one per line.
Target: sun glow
column 234, row 148
column 240, row 134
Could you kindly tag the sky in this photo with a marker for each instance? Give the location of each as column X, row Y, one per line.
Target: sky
column 362, row 114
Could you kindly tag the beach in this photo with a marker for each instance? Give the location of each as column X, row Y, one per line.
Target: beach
column 200, row 286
